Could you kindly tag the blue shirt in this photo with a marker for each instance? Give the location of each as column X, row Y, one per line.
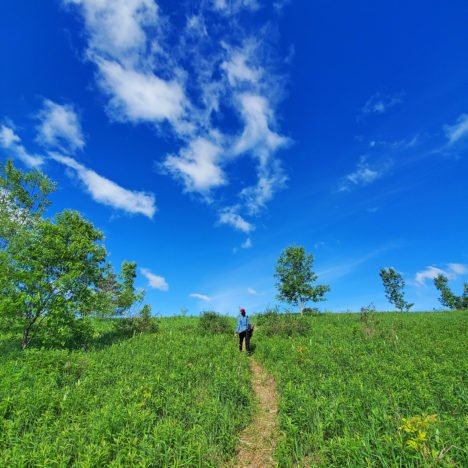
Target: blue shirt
column 242, row 323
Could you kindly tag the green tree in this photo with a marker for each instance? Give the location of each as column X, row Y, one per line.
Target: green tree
column 55, row 270
column 447, row 297
column 295, row 278
column 116, row 294
column 128, row 295
column 394, row 286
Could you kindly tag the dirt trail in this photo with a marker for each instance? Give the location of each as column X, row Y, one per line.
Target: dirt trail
column 258, row 439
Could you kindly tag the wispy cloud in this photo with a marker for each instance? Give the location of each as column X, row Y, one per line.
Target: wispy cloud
column 212, row 70
column 233, row 219
column 247, row 244
column 59, row 127
column 458, row 268
column 109, row 193
column 155, row 281
column 380, row 103
column 451, row 272
column 138, row 96
column 344, row 268
column 252, row 292
column 364, row 174
column 202, row 297
column 231, row 7
column 11, row 142
column 457, row 131
column 198, row 166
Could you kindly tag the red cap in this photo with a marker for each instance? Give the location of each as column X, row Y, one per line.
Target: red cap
column 242, row 310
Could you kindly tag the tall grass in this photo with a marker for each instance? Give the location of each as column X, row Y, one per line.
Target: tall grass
column 349, row 388
column 170, row 399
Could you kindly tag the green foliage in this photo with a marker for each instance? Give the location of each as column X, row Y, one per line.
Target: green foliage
column 23, row 199
column 53, row 270
column 212, row 323
column 141, row 323
column 447, row 297
column 394, row 286
column 163, row 399
column 272, row 323
column 128, row 296
column 343, row 395
column 295, row 278
column 269, row 314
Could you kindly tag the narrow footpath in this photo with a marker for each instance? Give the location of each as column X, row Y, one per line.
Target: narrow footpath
column 258, row 440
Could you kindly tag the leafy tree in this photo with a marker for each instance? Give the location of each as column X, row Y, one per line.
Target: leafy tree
column 447, row 297
column 116, row 294
column 128, row 296
column 295, row 278
column 54, row 271
column 394, row 284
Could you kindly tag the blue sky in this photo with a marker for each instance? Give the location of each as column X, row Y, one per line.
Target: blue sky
column 203, row 137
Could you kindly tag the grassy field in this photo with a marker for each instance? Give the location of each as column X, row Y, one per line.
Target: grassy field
column 347, row 387
column 378, row 390
column 169, row 399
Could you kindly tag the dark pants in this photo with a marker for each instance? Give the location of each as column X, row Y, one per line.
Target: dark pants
column 244, row 335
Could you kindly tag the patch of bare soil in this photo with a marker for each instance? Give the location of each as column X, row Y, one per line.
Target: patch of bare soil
column 258, row 439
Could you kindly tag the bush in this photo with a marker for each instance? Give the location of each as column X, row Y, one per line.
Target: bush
column 64, row 331
column 142, row 323
column 268, row 315
column 311, row 311
column 214, row 323
column 274, row 324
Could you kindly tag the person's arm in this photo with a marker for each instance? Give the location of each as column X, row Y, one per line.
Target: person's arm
column 238, row 325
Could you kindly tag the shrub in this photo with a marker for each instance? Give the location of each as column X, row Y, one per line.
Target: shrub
column 275, row 324
column 142, row 323
column 268, row 315
column 214, row 323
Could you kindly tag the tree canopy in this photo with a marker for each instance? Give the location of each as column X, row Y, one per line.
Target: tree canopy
column 295, row 278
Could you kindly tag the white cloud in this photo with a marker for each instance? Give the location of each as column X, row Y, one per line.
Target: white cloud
column 209, row 69
column 238, row 68
column 198, row 166
column 59, row 127
column 256, row 197
column 429, row 274
column 257, row 134
column 363, row 175
column 231, row 218
column 202, row 297
column 230, row 7
column 117, row 28
column 11, row 142
column 458, row 268
column 8, row 137
column 252, row 292
column 457, row 131
column 380, row 103
column 138, row 96
column 109, row 193
column 155, row 281
column 247, row 244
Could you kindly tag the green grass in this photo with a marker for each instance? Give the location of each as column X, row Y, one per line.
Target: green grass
column 346, row 387
column 169, row 399
column 177, row 398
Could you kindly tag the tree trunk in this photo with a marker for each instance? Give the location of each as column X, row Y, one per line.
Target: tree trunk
column 26, row 338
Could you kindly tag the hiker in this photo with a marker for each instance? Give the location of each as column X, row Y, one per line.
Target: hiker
column 244, row 329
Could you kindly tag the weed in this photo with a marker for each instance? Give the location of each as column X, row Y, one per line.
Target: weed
column 214, row 323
